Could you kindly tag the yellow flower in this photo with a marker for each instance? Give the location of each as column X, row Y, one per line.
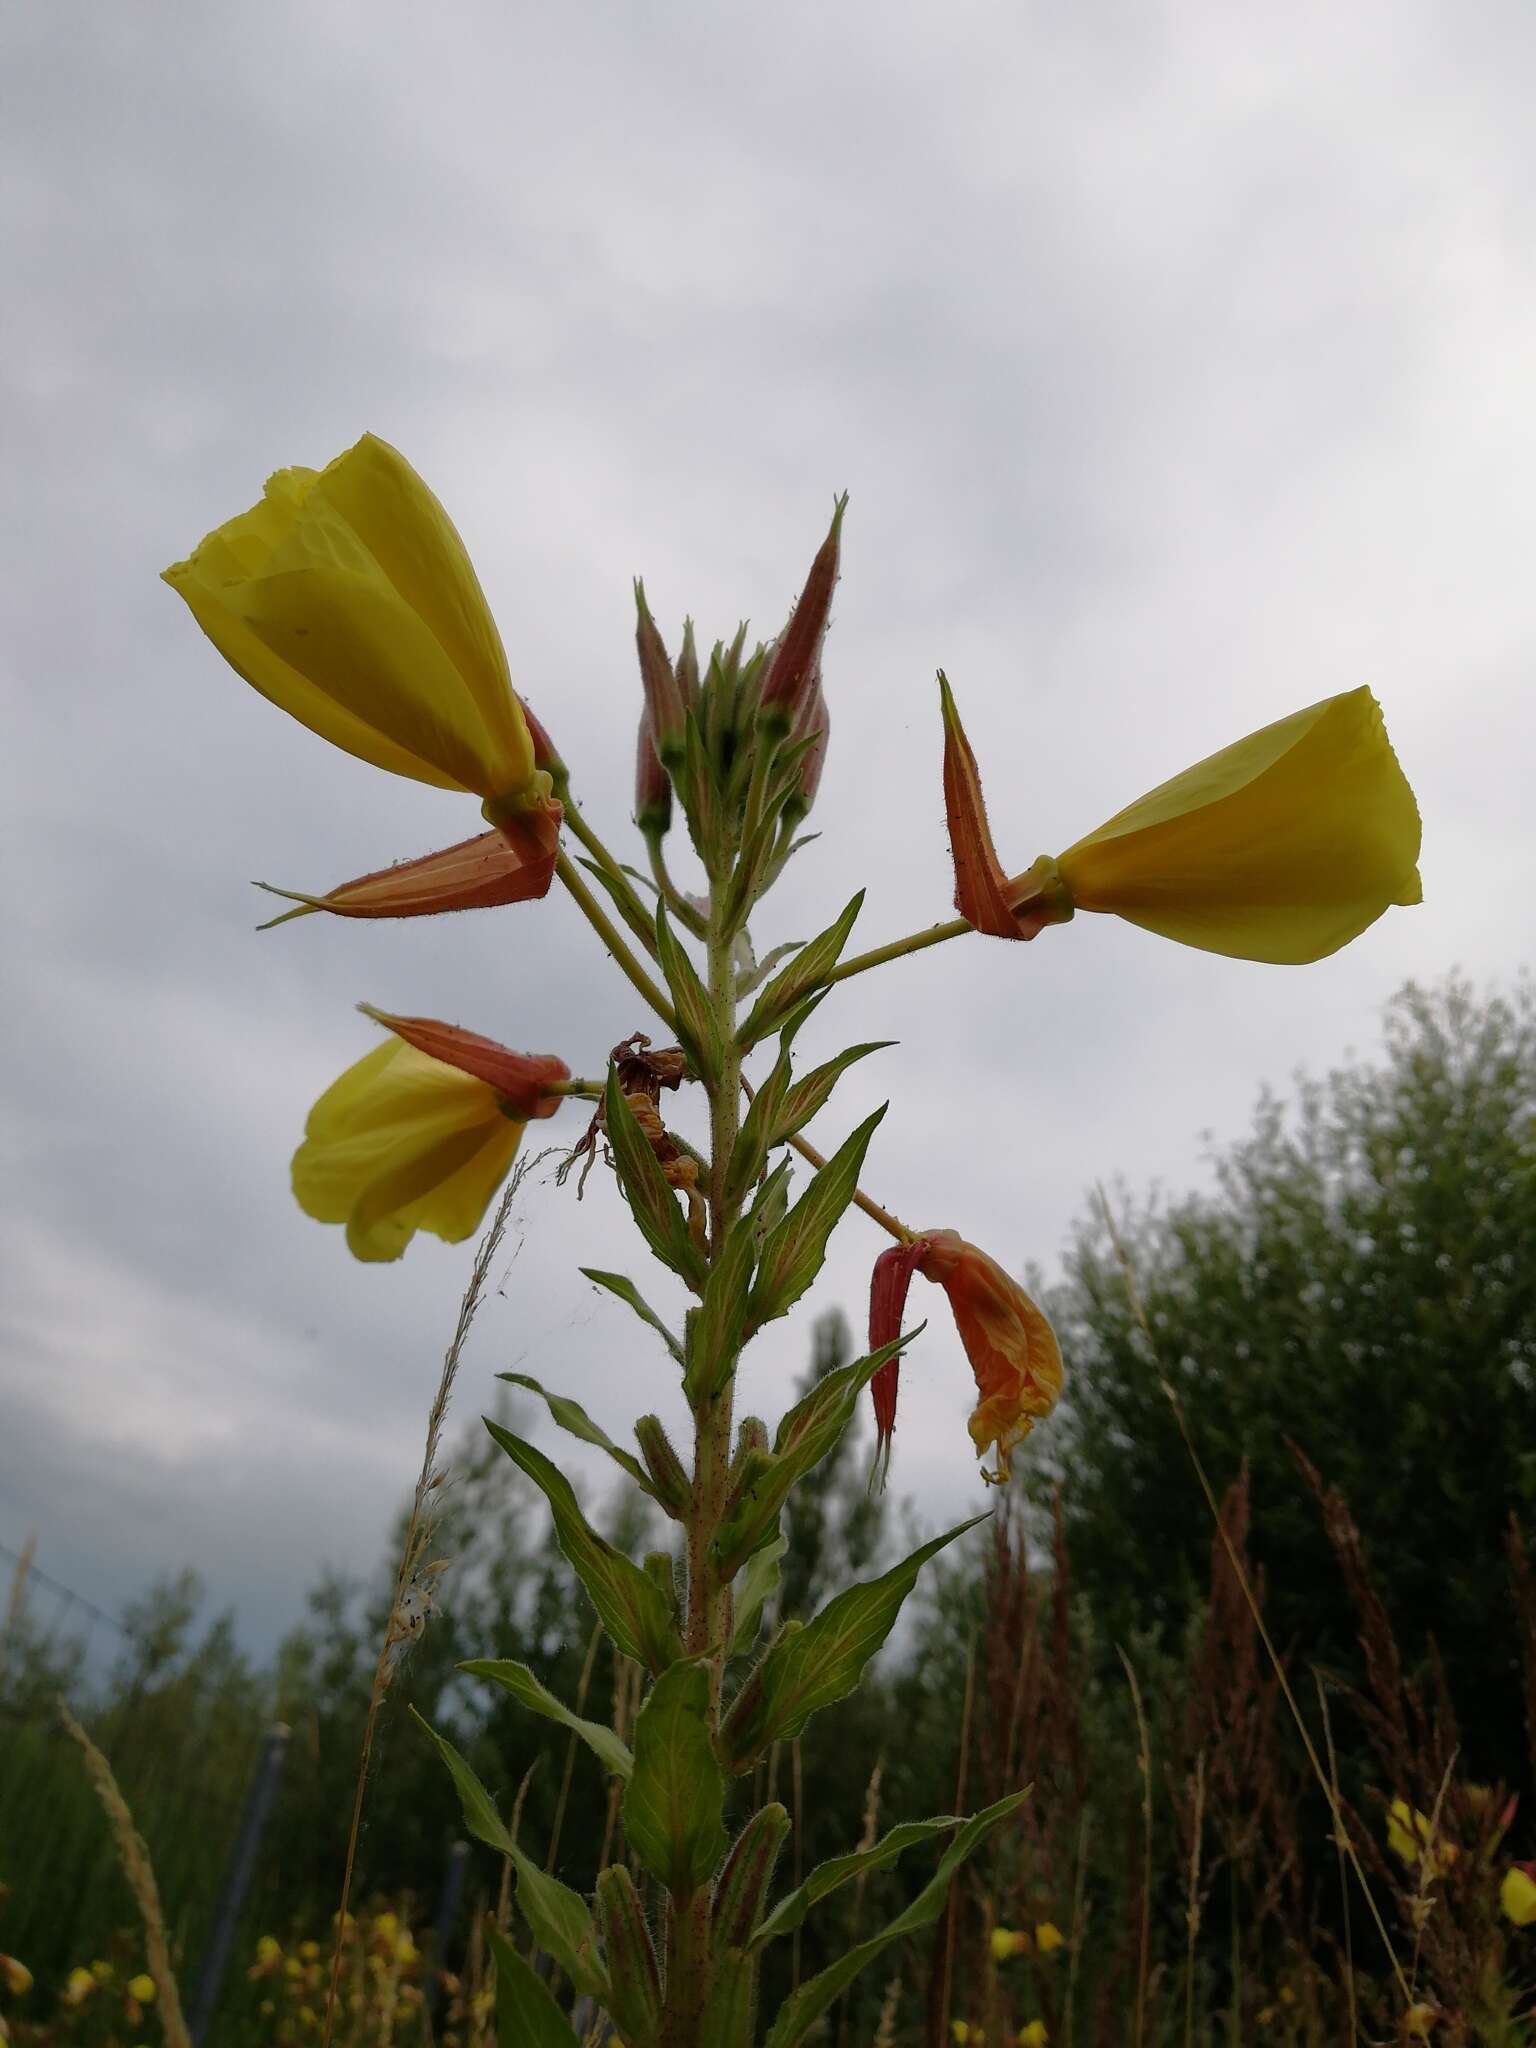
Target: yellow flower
column 406, row 1950
column 1006, row 1943
column 1517, row 1895
column 1419, row 2020
column 1034, row 2035
column 348, row 599
column 78, row 1986
column 385, row 1924
column 403, row 1141
column 1283, row 847
column 1048, row 1936
column 293, row 1967
column 965, row 2036
column 309, row 1950
column 102, row 1972
column 142, row 1988
column 15, row 1976
column 1408, row 1837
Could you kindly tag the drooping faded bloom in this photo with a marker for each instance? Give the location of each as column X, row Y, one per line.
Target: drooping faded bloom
column 419, row 1134
column 347, row 598
column 1010, row 1344
column 1283, row 847
column 514, row 865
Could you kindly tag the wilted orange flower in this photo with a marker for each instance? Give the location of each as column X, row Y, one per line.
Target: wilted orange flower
column 1010, row 1344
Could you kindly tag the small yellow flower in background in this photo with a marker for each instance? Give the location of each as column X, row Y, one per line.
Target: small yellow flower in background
column 293, row 1967
column 403, row 1141
column 1282, row 848
column 1517, row 1894
column 102, row 1971
column 268, row 1949
column 78, row 1986
column 308, row 2016
column 1034, row 2035
column 348, row 599
column 309, row 1950
column 15, row 1976
column 142, row 1988
column 1048, row 1937
column 406, row 1950
column 1419, row 2020
column 965, row 2035
column 1287, row 1995
column 1267, row 2015
column 1408, row 1837
column 386, row 1925
column 1006, row 1943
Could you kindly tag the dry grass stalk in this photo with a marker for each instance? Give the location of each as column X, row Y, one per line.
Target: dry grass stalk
column 1144, row 1766
column 514, row 1824
column 885, row 2031
column 139, row 1871
column 1192, row 1898
column 797, row 1785
column 413, row 1580
column 1340, row 1843
column 939, row 2016
column 867, row 1839
column 1138, row 1310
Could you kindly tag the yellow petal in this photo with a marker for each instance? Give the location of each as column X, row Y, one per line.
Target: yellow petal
column 1283, row 847
column 1517, row 1896
column 348, row 599
column 400, row 1143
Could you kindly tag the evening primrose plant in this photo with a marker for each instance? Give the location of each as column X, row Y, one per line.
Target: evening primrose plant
column 347, row 598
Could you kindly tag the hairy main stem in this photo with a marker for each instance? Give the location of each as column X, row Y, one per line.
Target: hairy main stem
column 708, row 1626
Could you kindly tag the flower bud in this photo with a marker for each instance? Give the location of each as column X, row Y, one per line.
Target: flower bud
column 792, row 672
column 653, row 785
column 664, row 703
column 494, row 868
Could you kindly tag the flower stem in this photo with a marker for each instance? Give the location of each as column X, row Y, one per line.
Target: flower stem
column 608, row 932
column 873, row 1210
column 631, row 909
column 914, row 942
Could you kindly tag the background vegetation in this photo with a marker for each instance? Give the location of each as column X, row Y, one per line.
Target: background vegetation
column 1349, row 1322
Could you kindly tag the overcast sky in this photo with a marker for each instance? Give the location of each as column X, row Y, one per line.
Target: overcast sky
column 1178, row 360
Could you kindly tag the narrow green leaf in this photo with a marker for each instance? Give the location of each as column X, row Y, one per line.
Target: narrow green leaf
column 822, row 1663
column 810, row 1095
column 805, row 973
column 700, row 788
column 652, row 1203
column 675, row 1801
column 526, row 2013
column 573, row 1417
column 715, row 1331
column 556, row 1916
column 749, row 1154
column 625, row 901
column 771, row 1201
column 629, row 1605
column 788, row 1914
column 803, row 2008
column 625, row 1288
column 805, row 1435
column 480, row 1815
column 759, row 1582
column 634, row 1976
column 518, row 1680
column 697, row 1026
column 793, row 1252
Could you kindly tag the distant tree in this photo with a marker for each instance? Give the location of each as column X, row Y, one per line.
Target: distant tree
column 1363, row 1281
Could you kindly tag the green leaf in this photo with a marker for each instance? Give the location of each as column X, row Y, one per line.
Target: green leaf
column 715, row 1331
column 673, row 1808
column 803, row 2008
column 526, row 2013
column 749, row 1154
column 557, row 1916
column 518, row 1680
column 698, row 1028
column 629, row 1605
column 480, row 1815
column 813, row 1667
column 811, row 1094
column 771, row 1201
column 794, row 1250
column 805, row 1436
column 759, row 1582
column 805, row 973
column 626, row 1290
column 788, row 1914
column 573, row 1417
column 652, row 1203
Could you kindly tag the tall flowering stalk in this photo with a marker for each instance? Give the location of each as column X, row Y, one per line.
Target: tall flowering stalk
column 347, row 598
